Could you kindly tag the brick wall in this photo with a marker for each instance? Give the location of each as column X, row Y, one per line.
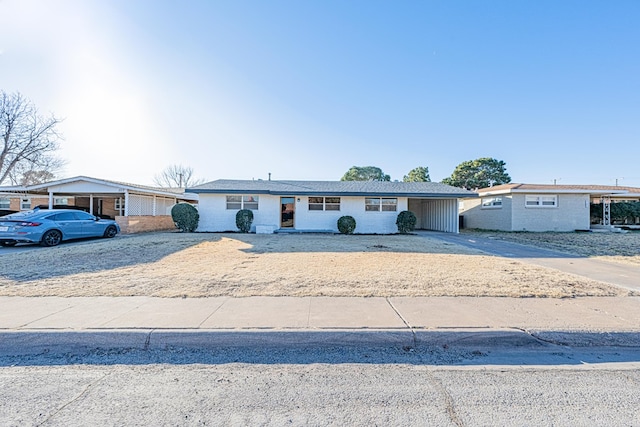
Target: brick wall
column 139, row 224
column 494, row 218
column 572, row 213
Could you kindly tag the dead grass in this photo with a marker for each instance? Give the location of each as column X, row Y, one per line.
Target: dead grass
column 615, row 247
column 201, row 265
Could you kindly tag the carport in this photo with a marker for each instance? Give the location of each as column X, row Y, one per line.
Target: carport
column 135, row 207
column 437, row 214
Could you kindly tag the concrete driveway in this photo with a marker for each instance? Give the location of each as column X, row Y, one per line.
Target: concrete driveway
column 621, row 275
column 28, row 247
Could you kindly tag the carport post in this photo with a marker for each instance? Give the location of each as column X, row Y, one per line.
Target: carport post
column 91, row 204
column 126, row 202
column 50, row 200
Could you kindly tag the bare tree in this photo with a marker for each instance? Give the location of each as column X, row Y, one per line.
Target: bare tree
column 176, row 176
column 33, row 177
column 28, row 139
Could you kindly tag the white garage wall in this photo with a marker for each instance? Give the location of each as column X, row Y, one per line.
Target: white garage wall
column 440, row 215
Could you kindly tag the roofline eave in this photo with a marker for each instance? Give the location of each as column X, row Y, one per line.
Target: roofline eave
column 330, row 193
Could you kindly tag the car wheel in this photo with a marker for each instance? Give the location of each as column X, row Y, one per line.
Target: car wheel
column 8, row 244
column 110, row 232
column 51, row 238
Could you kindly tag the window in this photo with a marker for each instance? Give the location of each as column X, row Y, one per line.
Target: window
column 64, row 216
column 234, row 202
column 324, row 203
column 539, row 201
column 25, row 204
column 372, row 204
column 61, row 201
column 85, row 216
column 119, row 204
column 378, row 204
column 242, row 202
column 491, row 202
column 5, row 203
column 250, row 202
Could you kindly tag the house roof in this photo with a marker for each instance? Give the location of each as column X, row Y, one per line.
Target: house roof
column 118, row 187
column 333, row 188
column 611, row 190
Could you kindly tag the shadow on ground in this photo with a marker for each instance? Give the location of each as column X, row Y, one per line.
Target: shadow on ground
column 441, row 348
column 23, row 264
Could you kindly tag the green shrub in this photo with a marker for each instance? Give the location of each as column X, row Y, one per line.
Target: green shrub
column 621, row 212
column 346, row 224
column 406, row 222
column 244, row 218
column 185, row 217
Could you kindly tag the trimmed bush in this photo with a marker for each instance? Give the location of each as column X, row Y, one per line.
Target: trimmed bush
column 406, row 222
column 244, row 218
column 346, row 224
column 185, row 217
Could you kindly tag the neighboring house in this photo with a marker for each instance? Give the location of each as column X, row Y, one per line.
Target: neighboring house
column 135, row 207
column 317, row 205
column 534, row 207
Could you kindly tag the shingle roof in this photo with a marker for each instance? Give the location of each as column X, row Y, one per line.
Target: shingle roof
column 600, row 189
column 335, row 188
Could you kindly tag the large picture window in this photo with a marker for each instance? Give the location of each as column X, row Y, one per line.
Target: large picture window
column 5, row 203
column 380, row 204
column 242, row 202
column 540, row 201
column 324, row 203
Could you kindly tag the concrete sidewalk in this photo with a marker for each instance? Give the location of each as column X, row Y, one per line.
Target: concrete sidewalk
column 38, row 324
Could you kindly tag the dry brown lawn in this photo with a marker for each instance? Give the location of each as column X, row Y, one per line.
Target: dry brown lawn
column 239, row 265
column 615, row 247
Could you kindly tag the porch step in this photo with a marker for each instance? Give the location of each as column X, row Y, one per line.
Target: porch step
column 299, row 231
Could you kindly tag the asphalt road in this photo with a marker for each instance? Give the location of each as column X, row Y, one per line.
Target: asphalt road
column 315, row 394
column 458, row 384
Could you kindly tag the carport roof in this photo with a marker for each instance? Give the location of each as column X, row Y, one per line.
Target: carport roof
column 569, row 189
column 332, row 188
column 118, row 188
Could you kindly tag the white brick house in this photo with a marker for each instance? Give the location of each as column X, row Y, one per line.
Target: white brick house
column 535, row 207
column 317, row 205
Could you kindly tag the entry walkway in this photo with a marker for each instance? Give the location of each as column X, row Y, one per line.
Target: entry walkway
column 621, row 275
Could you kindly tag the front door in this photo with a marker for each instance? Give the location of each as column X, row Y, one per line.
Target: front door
column 288, row 208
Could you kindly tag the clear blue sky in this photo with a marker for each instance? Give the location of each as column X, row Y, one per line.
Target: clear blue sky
column 307, row 89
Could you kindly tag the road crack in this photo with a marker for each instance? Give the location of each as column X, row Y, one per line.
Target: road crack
column 448, row 399
column 75, row 399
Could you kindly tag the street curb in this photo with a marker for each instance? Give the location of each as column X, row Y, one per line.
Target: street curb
column 33, row 342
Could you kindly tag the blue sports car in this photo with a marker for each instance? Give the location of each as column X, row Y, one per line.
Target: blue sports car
column 49, row 227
